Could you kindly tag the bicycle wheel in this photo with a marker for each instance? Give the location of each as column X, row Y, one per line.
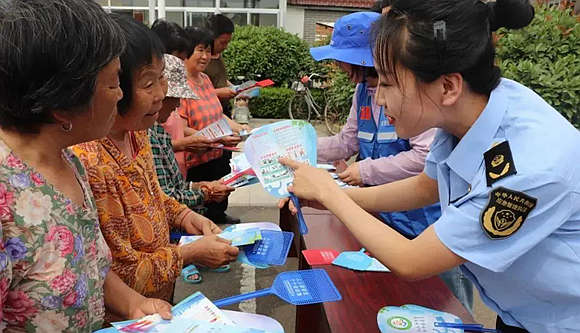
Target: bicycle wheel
column 298, row 108
column 333, row 119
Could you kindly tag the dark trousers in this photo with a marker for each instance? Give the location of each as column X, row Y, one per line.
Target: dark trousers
column 503, row 328
column 212, row 170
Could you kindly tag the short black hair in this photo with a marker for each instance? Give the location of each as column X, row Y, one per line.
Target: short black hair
column 387, row 3
column 199, row 36
column 379, row 5
column 51, row 52
column 172, row 36
column 220, row 24
column 436, row 37
column 142, row 45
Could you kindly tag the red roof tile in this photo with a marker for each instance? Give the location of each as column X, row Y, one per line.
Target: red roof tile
column 333, row 3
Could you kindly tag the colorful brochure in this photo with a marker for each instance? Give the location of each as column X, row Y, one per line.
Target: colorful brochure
column 242, row 173
column 217, row 130
column 320, row 256
column 189, row 313
column 359, row 261
column 238, row 238
column 414, row 319
column 295, row 139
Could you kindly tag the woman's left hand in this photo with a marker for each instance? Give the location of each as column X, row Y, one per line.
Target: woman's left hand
column 147, row 306
column 198, row 224
column 351, row 175
column 310, row 183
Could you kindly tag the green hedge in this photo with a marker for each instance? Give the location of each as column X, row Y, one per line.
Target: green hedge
column 272, row 103
column 270, row 52
column 340, row 92
column 545, row 56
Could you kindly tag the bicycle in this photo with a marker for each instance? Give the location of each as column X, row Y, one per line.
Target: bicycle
column 303, row 104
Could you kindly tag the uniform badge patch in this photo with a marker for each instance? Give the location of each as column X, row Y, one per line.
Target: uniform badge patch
column 499, row 163
column 505, row 212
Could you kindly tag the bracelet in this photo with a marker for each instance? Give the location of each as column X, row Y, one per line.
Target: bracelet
column 187, row 213
column 206, row 190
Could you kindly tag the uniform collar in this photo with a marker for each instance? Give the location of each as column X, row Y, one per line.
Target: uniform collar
column 467, row 156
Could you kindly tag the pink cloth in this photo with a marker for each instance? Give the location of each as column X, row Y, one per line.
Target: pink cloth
column 175, row 127
column 382, row 170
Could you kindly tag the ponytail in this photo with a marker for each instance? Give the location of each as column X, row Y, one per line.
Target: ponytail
column 510, row 14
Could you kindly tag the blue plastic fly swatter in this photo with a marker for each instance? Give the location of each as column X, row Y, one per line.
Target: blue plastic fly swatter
column 272, row 249
column 295, row 287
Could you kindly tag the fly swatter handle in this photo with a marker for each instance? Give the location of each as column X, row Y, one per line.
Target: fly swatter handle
column 301, row 223
column 238, row 298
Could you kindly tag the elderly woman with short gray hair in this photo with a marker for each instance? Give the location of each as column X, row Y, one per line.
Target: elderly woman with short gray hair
column 59, row 86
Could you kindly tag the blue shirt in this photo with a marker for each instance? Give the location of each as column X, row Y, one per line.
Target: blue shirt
column 531, row 278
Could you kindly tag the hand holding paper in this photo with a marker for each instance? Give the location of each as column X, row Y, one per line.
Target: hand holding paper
column 309, row 182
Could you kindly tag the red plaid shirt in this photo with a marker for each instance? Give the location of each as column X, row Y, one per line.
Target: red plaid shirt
column 199, row 113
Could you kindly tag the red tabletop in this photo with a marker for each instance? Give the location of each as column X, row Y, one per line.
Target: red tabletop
column 363, row 293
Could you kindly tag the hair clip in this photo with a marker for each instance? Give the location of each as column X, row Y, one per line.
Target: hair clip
column 440, row 31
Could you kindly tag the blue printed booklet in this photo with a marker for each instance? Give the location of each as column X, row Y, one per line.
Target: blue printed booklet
column 238, row 238
column 359, row 261
column 295, row 139
column 411, row 318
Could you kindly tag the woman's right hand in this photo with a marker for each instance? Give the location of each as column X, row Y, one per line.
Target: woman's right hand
column 310, row 183
column 230, row 141
column 211, row 251
column 198, row 143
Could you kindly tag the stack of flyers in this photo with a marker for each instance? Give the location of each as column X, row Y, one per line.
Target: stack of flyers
column 239, row 163
column 217, row 130
column 242, row 173
column 241, row 179
column 238, row 238
column 339, row 182
column 189, row 312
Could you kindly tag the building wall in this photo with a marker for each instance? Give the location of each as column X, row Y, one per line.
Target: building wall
column 311, row 16
column 294, row 21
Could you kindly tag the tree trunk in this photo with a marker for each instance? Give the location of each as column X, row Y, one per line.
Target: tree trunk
column 577, row 7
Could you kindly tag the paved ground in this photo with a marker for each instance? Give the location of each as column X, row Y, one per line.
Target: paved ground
column 253, row 204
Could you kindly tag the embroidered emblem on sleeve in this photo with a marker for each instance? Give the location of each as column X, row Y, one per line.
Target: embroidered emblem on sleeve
column 499, row 163
column 505, row 212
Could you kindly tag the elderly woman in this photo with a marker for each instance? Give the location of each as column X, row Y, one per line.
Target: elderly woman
column 59, row 64
column 200, row 113
column 134, row 212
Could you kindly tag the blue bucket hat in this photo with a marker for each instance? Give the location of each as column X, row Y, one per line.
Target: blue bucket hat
column 350, row 41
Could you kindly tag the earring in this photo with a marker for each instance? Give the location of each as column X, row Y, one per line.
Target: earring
column 67, row 127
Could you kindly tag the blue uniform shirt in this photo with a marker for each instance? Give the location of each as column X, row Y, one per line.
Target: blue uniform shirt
column 532, row 277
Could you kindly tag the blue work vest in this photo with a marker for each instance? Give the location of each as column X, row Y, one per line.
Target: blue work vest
column 383, row 142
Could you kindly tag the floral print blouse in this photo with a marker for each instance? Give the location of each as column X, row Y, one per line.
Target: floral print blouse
column 135, row 215
column 53, row 257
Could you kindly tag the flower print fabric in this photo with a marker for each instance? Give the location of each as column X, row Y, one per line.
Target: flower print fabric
column 53, row 257
column 135, row 215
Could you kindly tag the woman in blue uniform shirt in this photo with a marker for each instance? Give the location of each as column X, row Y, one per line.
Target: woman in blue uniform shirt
column 504, row 165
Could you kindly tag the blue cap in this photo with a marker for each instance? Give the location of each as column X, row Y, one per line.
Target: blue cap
column 350, row 41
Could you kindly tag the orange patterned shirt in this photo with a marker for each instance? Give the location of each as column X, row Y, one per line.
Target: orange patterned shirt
column 199, row 113
column 135, row 215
